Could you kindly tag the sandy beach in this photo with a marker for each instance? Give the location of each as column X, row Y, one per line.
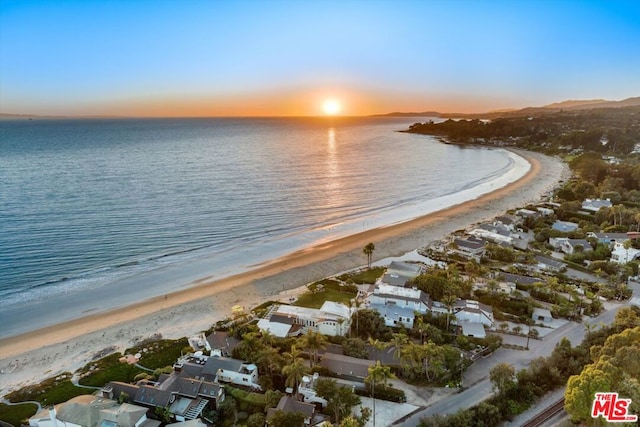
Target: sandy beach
column 40, row 354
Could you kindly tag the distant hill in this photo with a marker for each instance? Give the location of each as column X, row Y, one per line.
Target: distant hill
column 410, row 114
column 569, row 105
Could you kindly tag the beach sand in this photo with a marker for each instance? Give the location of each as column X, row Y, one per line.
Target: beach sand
column 65, row 347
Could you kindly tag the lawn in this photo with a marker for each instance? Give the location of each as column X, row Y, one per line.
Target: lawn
column 109, row 368
column 364, row 276
column 15, row 415
column 50, row 391
column 326, row 290
column 160, row 353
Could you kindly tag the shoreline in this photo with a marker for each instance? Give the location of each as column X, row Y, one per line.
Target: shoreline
column 30, row 357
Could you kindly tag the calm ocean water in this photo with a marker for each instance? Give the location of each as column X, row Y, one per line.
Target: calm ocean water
column 84, row 203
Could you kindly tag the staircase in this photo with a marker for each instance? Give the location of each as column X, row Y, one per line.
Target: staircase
column 195, row 409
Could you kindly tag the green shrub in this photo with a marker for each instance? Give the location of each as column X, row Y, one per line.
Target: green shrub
column 18, row 414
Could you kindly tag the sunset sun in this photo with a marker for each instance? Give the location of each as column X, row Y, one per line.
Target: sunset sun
column 331, row 107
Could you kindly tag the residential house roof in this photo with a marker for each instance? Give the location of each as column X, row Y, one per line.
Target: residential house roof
column 472, row 243
column 289, row 404
column 213, row 364
column 346, row 365
column 518, row 279
column 610, row 237
column 559, row 265
column 220, row 340
column 595, row 205
column 564, row 226
column 405, row 267
column 472, row 329
column 541, row 312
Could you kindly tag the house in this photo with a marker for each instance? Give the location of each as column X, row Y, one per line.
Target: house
column 398, row 305
column 290, row 405
column 222, row 343
column 610, row 238
column 228, row 370
column 545, row 263
column 564, row 226
column 472, row 329
column 307, row 389
column 622, row 255
column 187, row 391
column 594, row 205
column 518, row 279
column 511, row 222
column 542, row 315
column 347, row 367
column 570, row 246
column 545, row 211
column 92, row 411
column 332, row 319
column 400, row 273
column 526, row 213
column 470, row 248
column 473, row 312
column 491, row 236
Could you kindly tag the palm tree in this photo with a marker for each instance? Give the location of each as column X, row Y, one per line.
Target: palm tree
column 368, row 251
column 378, row 374
column 294, row 372
column 313, row 341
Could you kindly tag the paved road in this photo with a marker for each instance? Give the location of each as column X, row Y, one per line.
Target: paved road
column 477, row 376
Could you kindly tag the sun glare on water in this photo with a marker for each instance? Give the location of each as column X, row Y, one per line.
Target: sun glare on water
column 331, row 107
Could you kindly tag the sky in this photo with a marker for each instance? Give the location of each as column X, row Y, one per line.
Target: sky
column 288, row 57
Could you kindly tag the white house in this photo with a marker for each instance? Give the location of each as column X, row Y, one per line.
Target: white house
column 332, row 319
column 473, row 312
column 307, row 389
column 594, row 205
column 398, row 305
column 621, row 255
column 542, row 315
column 234, row 371
column 491, row 236
column 471, row 248
column 570, row 246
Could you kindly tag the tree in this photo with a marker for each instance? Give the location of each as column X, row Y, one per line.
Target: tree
column 370, row 324
column 163, row 413
column 294, row 372
column 378, row 374
column 287, row 419
column 340, row 399
column 502, row 377
column 368, row 251
column 256, row 420
column 313, row 341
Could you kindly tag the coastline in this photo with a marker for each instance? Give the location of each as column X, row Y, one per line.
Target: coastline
column 67, row 346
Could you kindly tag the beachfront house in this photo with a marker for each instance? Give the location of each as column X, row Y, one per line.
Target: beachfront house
column 188, row 391
column 398, row 306
column 221, row 343
column 400, row 273
column 332, row 319
column 492, row 236
column 594, row 205
column 92, row 411
column 470, row 248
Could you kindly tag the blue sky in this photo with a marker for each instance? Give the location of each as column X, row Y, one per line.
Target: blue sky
column 285, row 57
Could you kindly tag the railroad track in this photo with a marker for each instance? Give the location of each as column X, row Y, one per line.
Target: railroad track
column 543, row 416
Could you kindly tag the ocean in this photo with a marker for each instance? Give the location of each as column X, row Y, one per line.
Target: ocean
column 86, row 204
